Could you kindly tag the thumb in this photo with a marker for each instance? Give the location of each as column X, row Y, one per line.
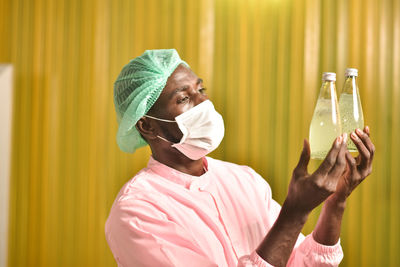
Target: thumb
column 304, row 158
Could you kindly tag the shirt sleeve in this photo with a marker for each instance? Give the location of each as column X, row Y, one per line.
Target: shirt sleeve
column 141, row 235
column 307, row 252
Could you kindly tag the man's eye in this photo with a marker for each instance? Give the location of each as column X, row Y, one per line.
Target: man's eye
column 203, row 90
column 183, row 99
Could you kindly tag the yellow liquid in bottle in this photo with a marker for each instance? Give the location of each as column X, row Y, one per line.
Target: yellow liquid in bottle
column 351, row 116
column 324, row 128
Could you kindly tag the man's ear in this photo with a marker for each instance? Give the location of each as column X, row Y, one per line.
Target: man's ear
column 146, row 129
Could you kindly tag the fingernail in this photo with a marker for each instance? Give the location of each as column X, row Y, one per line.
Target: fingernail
column 367, row 128
column 353, row 134
column 345, row 138
column 338, row 141
column 359, row 131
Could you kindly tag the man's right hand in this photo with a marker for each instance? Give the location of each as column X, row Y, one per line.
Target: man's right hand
column 307, row 191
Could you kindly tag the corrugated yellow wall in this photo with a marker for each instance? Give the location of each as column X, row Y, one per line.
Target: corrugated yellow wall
column 262, row 61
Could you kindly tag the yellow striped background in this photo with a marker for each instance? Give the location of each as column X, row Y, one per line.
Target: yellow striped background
column 262, row 61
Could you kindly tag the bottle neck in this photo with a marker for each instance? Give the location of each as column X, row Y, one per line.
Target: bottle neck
column 350, row 77
column 328, row 90
column 328, row 82
column 350, row 85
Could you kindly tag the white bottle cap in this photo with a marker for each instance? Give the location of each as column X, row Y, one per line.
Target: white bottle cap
column 329, row 76
column 351, row 72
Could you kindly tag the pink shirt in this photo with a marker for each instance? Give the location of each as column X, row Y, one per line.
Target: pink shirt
column 163, row 217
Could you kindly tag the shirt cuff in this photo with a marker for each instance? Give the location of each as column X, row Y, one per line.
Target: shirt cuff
column 334, row 251
column 253, row 260
column 313, row 253
column 323, row 249
column 258, row 261
column 316, row 254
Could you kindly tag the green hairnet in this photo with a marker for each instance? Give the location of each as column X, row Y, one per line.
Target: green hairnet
column 137, row 88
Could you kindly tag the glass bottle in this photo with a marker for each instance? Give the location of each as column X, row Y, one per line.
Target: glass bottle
column 350, row 106
column 325, row 124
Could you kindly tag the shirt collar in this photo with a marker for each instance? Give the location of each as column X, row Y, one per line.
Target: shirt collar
column 184, row 179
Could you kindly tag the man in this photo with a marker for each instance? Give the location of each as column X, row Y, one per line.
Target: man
column 186, row 209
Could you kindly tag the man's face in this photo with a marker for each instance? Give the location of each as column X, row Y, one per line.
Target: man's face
column 183, row 91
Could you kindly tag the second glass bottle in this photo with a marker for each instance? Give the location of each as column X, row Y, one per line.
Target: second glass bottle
column 350, row 109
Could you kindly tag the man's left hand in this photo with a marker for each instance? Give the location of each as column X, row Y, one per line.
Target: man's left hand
column 358, row 168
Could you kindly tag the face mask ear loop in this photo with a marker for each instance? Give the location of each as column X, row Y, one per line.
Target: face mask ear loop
column 154, row 118
column 162, row 138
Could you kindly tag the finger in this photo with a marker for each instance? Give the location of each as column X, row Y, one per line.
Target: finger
column 340, row 164
column 366, row 129
column 304, row 158
column 330, row 159
column 362, row 149
column 364, row 136
column 358, row 159
column 352, row 163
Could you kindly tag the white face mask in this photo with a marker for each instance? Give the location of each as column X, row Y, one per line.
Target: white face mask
column 202, row 127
